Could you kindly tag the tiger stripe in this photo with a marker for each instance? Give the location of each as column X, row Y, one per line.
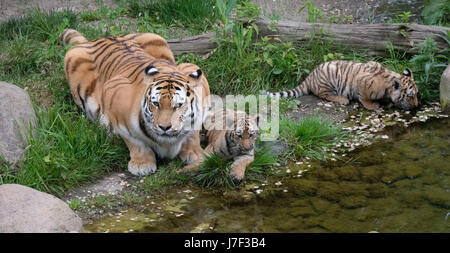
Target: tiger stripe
column 110, row 81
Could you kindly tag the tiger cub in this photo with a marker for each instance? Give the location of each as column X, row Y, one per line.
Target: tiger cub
column 342, row 81
column 231, row 135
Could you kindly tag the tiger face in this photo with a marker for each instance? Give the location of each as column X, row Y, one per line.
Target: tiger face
column 244, row 133
column 404, row 91
column 169, row 107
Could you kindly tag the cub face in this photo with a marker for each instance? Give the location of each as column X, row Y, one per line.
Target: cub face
column 404, row 91
column 245, row 131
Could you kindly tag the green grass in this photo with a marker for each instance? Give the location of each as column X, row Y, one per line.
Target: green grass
column 66, row 151
column 437, row 12
column 200, row 14
column 215, row 170
column 308, row 137
column 165, row 176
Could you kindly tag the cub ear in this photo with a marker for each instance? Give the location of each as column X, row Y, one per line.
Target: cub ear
column 196, row 74
column 407, row 72
column 396, row 83
column 257, row 119
column 151, row 70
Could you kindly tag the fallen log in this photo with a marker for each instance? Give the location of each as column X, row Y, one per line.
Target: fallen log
column 371, row 37
column 200, row 44
column 374, row 38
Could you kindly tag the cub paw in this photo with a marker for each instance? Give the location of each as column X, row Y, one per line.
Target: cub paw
column 141, row 169
column 237, row 174
column 189, row 168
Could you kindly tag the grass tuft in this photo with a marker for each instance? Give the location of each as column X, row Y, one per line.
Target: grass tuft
column 309, row 136
column 215, row 170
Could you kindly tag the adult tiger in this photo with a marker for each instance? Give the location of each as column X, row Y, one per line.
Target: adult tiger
column 132, row 86
column 342, row 81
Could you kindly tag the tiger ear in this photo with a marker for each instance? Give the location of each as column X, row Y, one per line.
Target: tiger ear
column 407, row 72
column 196, row 74
column 151, row 70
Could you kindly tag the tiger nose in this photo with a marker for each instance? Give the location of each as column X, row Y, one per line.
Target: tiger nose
column 165, row 128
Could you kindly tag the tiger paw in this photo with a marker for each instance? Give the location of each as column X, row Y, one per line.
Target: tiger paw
column 191, row 156
column 141, row 169
column 237, row 174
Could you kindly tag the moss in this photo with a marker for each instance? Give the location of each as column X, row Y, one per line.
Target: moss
column 330, row 191
column 353, row 202
column 305, row 211
column 437, row 196
column 335, row 225
column 370, row 174
column 430, row 179
column 238, row 197
column 325, row 174
column 412, row 199
column 385, row 206
column 299, row 203
column 413, row 171
column 289, row 225
column 347, row 172
column 409, row 150
column 353, row 188
column 393, row 173
column 368, row 158
column 320, row 205
column 303, row 187
column 377, row 190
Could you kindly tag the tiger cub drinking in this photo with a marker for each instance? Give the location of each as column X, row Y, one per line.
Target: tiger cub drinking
column 231, row 135
column 342, row 81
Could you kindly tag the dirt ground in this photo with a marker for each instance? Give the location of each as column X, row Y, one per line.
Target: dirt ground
column 16, row 8
column 283, row 9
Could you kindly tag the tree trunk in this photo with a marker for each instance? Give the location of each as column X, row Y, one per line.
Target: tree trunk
column 371, row 37
column 374, row 38
column 200, row 44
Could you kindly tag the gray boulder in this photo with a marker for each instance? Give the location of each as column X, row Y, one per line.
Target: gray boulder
column 25, row 210
column 444, row 90
column 16, row 115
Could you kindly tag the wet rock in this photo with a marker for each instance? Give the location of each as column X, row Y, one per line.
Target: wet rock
column 413, row 171
column 320, row 205
column 238, row 197
column 393, row 173
column 305, row 211
column 444, row 90
column 412, row 199
column 437, row 196
column 16, row 115
column 370, row 174
column 377, row 190
column 25, row 210
column 353, row 201
column 303, row 187
column 353, row 188
column 347, row 172
column 201, row 228
column 330, row 191
column 325, row 174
